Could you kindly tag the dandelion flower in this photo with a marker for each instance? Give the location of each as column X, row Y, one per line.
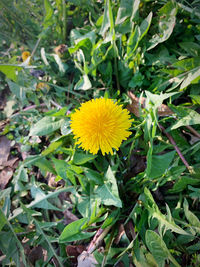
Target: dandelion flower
column 100, row 124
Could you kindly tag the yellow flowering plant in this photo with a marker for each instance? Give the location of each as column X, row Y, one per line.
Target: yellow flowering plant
column 100, row 124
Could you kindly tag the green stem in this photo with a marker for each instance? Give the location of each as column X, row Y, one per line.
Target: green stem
column 116, row 73
column 64, row 20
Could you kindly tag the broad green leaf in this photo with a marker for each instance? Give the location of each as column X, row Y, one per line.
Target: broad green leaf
column 195, row 99
column 158, row 248
column 37, row 202
column 111, row 219
column 52, row 147
column 65, row 128
column 67, row 171
column 193, row 76
column 187, row 116
column 167, row 20
column 20, row 177
column 45, row 166
column 3, row 220
column 144, row 27
column 191, row 217
column 133, row 42
column 86, row 204
column 81, row 158
column 61, row 167
column 59, row 63
column 187, row 64
column 10, row 71
column 196, row 192
column 109, row 191
column 165, row 222
column 83, row 84
column 76, row 38
column 157, row 100
column 73, row 232
column 193, row 49
column 127, row 8
column 182, row 182
column 45, row 126
column 93, row 176
column 106, row 19
column 49, row 14
column 160, row 164
column 5, row 193
column 38, row 195
column 17, row 90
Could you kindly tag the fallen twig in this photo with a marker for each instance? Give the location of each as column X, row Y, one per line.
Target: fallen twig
column 99, row 236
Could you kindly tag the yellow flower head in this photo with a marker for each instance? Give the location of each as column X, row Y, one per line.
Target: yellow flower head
column 25, row 55
column 100, row 124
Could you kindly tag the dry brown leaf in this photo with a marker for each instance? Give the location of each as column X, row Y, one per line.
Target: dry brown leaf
column 120, row 233
column 37, row 253
column 60, row 50
column 73, row 252
column 4, row 150
column 69, row 217
column 86, row 260
column 5, row 176
column 134, row 108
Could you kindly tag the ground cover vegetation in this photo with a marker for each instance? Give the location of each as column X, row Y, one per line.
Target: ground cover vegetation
column 100, row 135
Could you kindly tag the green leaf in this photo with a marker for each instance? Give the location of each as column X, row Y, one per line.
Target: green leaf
column 38, row 195
column 187, row 116
column 3, row 220
column 5, row 193
column 106, row 19
column 157, row 100
column 133, row 42
column 38, row 201
column 192, row 219
column 45, row 126
column 109, row 191
column 81, row 158
column 49, row 14
column 167, row 20
column 193, row 76
column 127, row 8
column 61, row 167
column 10, row 71
column 73, row 232
column 165, row 222
column 182, row 182
column 158, row 249
column 93, row 176
column 111, row 219
column 17, row 90
column 52, row 147
column 195, row 99
column 144, row 27
column 83, row 84
column 160, row 164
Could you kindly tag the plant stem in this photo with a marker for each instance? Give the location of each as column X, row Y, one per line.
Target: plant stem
column 99, row 236
column 172, row 141
column 192, row 130
column 64, row 20
column 36, row 45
